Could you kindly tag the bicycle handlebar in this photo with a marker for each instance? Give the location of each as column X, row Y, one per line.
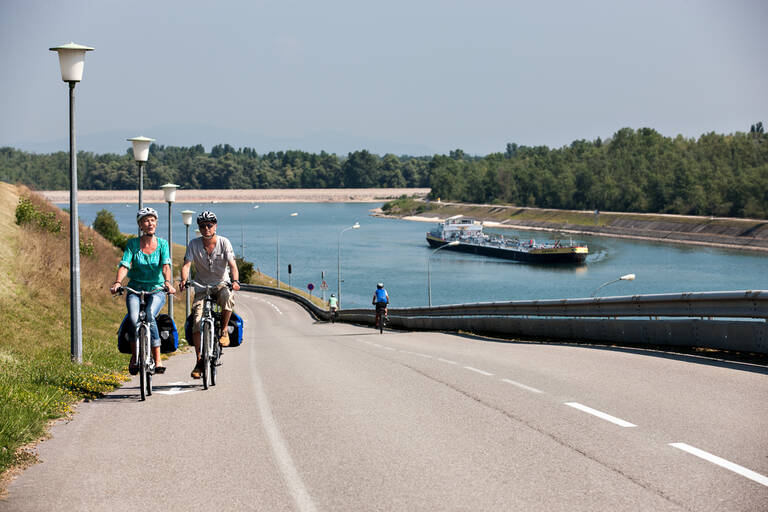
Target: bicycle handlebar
column 122, row 289
column 195, row 284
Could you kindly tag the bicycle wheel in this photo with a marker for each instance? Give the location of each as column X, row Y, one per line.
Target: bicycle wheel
column 205, row 353
column 142, row 359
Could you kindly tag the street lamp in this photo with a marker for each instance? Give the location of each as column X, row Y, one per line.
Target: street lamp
column 356, row 225
column 429, row 281
column 169, row 192
column 627, row 277
column 186, row 218
column 294, row 214
column 72, row 62
column 141, row 155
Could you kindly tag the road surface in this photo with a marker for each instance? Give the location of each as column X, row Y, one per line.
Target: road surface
column 312, row 416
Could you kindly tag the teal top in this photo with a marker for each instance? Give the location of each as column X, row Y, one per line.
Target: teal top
column 145, row 270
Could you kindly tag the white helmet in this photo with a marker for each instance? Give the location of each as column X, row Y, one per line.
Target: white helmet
column 380, row 285
column 146, row 212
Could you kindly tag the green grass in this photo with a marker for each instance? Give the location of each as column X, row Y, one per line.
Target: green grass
column 38, row 382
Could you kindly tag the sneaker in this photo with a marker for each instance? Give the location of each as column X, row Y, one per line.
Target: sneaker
column 224, row 340
column 198, row 371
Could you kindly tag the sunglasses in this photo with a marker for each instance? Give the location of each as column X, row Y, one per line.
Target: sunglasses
column 208, row 225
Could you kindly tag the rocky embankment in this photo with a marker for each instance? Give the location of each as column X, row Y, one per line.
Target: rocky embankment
column 750, row 234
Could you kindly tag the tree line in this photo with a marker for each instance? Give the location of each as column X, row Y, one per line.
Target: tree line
column 634, row 171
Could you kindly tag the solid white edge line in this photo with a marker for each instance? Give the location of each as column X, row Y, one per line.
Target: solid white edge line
column 599, row 414
column 523, row 386
column 714, row 459
column 481, row 372
column 283, row 458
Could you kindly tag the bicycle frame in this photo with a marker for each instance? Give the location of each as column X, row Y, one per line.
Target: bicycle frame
column 142, row 348
column 210, row 349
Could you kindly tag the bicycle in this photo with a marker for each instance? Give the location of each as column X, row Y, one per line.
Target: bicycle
column 210, row 329
column 142, row 352
column 334, row 314
column 381, row 318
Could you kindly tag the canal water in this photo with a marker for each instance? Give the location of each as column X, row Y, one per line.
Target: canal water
column 396, row 253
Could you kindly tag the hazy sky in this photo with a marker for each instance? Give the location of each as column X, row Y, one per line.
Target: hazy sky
column 415, row 76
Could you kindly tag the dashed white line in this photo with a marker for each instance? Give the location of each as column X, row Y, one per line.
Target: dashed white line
column 389, row 348
column 448, row 361
column 425, row 356
column 599, row 414
column 522, row 386
column 714, row 459
column 481, row 372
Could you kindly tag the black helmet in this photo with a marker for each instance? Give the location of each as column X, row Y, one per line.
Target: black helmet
column 206, row 216
column 146, row 212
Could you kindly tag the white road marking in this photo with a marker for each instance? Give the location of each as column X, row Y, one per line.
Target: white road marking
column 522, row 386
column 448, row 361
column 602, row 415
column 417, row 354
column 280, row 450
column 714, row 459
column 481, row 372
column 389, row 348
column 271, row 304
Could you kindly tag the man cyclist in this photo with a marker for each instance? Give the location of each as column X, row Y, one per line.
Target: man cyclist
column 380, row 300
column 333, row 305
column 214, row 260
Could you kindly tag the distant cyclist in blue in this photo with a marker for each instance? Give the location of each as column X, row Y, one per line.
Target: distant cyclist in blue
column 147, row 263
column 380, row 300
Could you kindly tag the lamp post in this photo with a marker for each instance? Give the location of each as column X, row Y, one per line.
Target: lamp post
column 186, row 218
column 356, row 225
column 141, row 155
column 627, row 277
column 429, row 281
column 294, row 214
column 169, row 192
column 72, row 62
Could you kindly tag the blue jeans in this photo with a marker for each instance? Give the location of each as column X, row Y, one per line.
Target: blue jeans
column 154, row 303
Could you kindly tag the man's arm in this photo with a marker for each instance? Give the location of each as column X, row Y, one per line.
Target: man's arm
column 235, row 274
column 184, row 273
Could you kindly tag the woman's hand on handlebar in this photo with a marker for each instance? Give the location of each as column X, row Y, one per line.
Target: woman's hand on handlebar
column 169, row 288
column 115, row 288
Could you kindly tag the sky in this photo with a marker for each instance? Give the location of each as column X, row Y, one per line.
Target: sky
column 414, row 77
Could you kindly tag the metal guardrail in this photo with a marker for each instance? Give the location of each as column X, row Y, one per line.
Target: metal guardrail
column 728, row 320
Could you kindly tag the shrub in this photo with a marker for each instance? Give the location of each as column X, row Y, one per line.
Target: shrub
column 28, row 213
column 245, row 269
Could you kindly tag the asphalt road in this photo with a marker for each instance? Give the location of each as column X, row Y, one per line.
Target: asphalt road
column 313, row 416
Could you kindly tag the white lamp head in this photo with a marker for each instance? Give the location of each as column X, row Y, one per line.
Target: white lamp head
column 294, row 214
column 628, row 277
column 169, row 192
column 141, row 148
column 71, row 60
column 186, row 217
column 453, row 244
column 356, row 225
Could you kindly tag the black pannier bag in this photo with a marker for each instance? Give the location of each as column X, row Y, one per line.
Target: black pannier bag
column 235, row 328
column 169, row 336
column 126, row 334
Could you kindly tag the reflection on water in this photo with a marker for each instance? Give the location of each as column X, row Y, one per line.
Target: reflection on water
column 395, row 252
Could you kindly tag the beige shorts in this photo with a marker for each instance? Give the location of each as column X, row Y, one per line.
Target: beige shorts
column 224, row 298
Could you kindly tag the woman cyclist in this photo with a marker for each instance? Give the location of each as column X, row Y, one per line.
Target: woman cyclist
column 147, row 263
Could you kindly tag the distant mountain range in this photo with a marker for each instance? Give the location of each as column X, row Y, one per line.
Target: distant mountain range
column 186, row 135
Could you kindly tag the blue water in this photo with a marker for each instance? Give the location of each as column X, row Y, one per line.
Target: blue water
column 395, row 252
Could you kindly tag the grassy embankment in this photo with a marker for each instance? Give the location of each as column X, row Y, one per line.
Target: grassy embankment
column 38, row 382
